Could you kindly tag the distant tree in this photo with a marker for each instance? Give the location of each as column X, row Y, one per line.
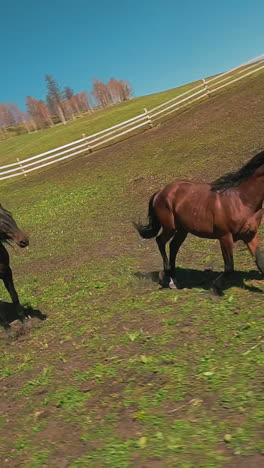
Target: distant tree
column 39, row 112
column 70, row 106
column 101, row 93
column 55, row 98
column 15, row 114
column 114, row 90
column 25, row 120
column 45, row 113
column 32, row 110
column 68, row 109
column 7, row 118
column 126, row 89
column 75, row 104
column 119, row 90
column 83, row 101
column 4, row 120
column 68, row 93
column 11, row 115
column 92, row 100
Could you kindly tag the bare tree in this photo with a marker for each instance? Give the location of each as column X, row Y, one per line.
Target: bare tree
column 101, row 93
column 75, row 104
column 114, row 89
column 3, row 120
column 126, row 89
column 6, row 116
column 16, row 115
column 83, row 100
column 119, row 90
column 39, row 112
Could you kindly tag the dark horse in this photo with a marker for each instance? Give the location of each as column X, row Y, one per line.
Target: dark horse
column 9, row 232
column 228, row 209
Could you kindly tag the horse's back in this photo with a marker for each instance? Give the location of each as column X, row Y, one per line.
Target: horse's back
column 185, row 193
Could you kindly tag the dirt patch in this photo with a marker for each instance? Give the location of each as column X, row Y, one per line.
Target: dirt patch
column 252, row 461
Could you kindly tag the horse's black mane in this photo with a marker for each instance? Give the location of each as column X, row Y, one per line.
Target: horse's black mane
column 7, row 223
column 6, row 216
column 233, row 179
column 4, row 212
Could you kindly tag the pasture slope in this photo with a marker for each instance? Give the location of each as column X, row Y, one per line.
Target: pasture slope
column 38, row 142
column 123, row 374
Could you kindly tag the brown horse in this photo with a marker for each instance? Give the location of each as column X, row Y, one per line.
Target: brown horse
column 9, row 232
column 228, row 209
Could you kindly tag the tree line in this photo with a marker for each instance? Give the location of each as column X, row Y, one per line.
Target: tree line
column 60, row 105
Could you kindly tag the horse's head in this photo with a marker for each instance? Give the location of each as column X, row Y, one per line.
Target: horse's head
column 9, row 231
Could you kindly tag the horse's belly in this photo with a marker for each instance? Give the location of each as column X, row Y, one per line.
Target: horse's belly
column 198, row 222
column 204, row 235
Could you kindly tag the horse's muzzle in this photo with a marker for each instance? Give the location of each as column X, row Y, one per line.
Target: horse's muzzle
column 23, row 243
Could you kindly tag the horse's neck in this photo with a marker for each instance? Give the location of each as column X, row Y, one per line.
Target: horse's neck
column 252, row 191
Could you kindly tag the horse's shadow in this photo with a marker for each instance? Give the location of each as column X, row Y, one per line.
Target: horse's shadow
column 8, row 313
column 188, row 278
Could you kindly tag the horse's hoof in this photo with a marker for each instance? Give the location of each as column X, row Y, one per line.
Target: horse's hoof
column 164, row 279
column 173, row 284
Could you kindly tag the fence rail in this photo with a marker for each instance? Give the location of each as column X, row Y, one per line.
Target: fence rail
column 147, row 119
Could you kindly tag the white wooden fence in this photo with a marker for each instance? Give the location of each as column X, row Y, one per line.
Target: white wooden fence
column 147, row 119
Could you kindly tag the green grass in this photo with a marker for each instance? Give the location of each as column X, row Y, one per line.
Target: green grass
column 123, row 373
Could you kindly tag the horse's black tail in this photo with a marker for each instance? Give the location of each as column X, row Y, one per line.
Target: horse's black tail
column 147, row 231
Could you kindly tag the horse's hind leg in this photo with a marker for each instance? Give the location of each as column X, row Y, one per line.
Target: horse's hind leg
column 253, row 247
column 162, row 240
column 227, row 244
column 9, row 284
column 175, row 245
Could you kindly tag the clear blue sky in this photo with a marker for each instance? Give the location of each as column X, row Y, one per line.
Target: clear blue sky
column 155, row 44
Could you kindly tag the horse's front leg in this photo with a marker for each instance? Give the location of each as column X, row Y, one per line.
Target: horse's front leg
column 254, row 248
column 226, row 243
column 9, row 284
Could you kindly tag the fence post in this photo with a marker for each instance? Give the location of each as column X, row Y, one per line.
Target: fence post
column 148, row 117
column 21, row 167
column 206, row 87
column 90, row 149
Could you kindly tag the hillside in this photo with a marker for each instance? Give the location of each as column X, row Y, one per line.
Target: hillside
column 123, row 374
column 27, row 145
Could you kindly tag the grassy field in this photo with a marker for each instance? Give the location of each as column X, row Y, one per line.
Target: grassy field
column 122, row 373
